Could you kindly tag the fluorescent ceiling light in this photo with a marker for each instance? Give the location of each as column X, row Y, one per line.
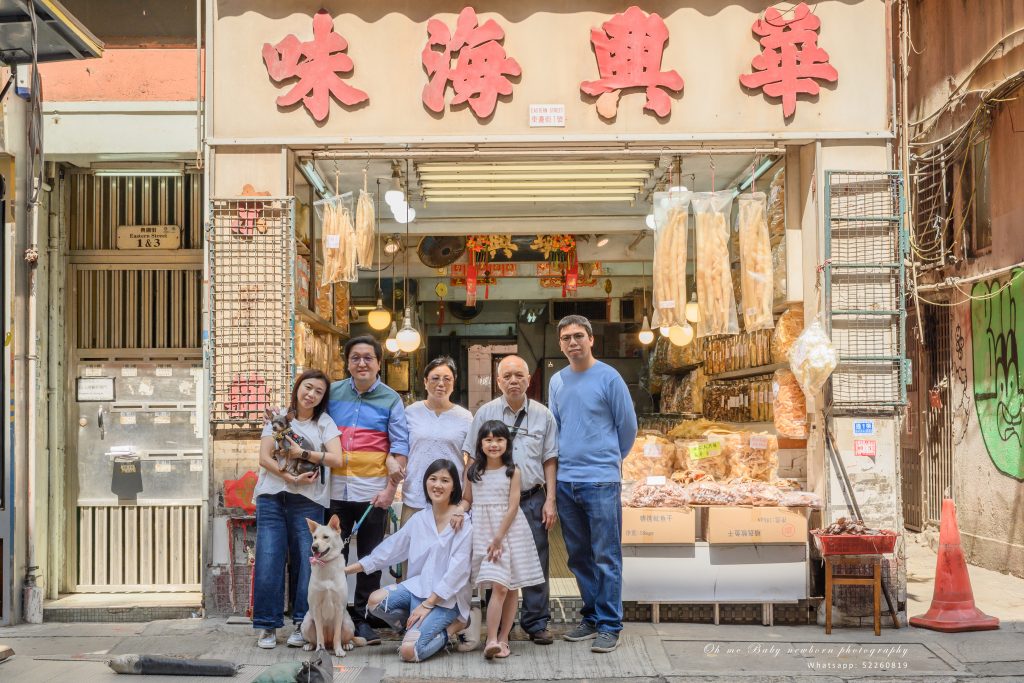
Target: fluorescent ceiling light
column 534, row 176
column 602, row 240
column 126, row 172
column 553, row 166
column 313, row 176
column 765, row 165
column 563, row 198
column 627, row 184
column 524, row 192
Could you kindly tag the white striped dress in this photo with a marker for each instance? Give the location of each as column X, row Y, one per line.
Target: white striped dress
column 519, row 565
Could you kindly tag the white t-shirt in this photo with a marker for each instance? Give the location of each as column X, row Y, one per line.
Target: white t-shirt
column 318, row 435
column 432, row 436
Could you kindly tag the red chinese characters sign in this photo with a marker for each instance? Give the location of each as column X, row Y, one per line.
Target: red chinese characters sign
column 316, row 64
column 482, row 68
column 791, row 61
column 629, row 48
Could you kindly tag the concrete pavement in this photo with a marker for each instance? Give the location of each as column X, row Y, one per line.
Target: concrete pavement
column 667, row 653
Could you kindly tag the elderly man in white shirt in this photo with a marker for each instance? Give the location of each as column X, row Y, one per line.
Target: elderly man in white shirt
column 535, row 452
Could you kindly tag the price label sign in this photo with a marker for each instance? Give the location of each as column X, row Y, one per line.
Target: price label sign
column 759, row 441
column 700, row 451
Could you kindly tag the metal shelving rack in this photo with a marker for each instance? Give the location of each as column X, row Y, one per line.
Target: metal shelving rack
column 865, row 294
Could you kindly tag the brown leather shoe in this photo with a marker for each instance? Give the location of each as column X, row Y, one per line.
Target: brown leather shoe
column 542, row 637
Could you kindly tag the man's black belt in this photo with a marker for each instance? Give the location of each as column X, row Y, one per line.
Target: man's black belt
column 530, row 492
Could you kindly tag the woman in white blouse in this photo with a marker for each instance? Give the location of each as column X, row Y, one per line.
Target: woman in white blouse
column 437, row 429
column 432, row 603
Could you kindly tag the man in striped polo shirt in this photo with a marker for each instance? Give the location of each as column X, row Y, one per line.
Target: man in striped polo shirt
column 375, row 445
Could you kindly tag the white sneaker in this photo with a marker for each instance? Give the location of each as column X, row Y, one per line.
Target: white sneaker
column 268, row 639
column 296, row 639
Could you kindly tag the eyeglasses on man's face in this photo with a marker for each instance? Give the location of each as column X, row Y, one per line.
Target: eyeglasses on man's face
column 575, row 337
column 362, row 360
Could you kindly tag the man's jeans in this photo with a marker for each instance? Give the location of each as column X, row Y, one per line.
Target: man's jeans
column 282, row 534
column 591, row 519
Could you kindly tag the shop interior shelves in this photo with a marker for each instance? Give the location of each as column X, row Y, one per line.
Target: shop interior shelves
column 683, row 369
column 318, row 323
column 748, row 372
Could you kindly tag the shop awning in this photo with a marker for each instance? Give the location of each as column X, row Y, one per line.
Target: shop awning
column 59, row 35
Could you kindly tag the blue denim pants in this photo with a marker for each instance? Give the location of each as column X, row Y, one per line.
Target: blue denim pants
column 400, row 603
column 591, row 518
column 282, row 536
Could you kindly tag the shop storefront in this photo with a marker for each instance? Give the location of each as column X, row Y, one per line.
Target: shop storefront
column 479, row 175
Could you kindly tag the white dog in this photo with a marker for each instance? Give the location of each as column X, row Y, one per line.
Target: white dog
column 327, row 622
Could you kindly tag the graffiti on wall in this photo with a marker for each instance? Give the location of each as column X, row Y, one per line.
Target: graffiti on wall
column 997, row 335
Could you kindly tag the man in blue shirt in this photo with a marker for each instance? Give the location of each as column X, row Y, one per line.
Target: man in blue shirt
column 596, row 429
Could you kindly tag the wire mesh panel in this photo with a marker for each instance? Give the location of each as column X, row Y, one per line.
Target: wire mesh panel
column 252, row 306
column 864, row 283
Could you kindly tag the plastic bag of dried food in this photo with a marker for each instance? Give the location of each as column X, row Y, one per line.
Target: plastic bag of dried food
column 779, row 272
column 659, row 365
column 789, row 406
column 651, row 455
column 777, row 207
column 715, row 295
column 710, row 455
column 756, row 284
column 813, row 357
column 366, row 235
column 787, row 329
column 756, row 493
column 708, row 492
column 668, row 495
column 756, row 457
column 800, row 499
column 671, row 219
column 338, row 240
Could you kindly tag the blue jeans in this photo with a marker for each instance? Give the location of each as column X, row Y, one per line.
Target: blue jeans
column 282, row 534
column 400, row 603
column 591, row 518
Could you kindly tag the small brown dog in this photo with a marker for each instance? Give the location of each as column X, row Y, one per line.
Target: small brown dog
column 284, row 435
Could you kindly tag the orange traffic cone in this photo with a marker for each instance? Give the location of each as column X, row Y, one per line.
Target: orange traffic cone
column 953, row 607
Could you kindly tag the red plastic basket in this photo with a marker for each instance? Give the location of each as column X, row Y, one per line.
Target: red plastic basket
column 881, row 544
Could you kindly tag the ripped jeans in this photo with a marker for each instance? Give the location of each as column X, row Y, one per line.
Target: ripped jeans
column 433, row 635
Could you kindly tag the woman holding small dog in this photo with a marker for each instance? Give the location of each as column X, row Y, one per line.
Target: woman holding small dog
column 285, row 495
column 433, row 602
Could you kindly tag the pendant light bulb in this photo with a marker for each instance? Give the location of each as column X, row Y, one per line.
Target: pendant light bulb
column 379, row 318
column 391, row 343
column 664, row 330
column 646, row 335
column 681, row 335
column 408, row 337
column 693, row 309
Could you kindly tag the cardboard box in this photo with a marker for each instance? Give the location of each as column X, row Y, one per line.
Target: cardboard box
column 658, row 526
column 747, row 526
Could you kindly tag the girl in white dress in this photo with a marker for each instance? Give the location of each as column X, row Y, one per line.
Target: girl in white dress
column 504, row 554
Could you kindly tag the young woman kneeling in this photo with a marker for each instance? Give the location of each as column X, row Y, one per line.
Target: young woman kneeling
column 432, row 604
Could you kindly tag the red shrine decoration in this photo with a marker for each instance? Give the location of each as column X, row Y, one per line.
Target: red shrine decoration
column 629, row 48
column 316, row 64
column 791, row 59
column 481, row 72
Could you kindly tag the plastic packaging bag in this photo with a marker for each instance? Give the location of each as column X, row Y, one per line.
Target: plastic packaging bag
column 338, row 240
column 787, row 329
column 777, row 207
column 757, row 286
column 789, row 407
column 756, row 456
column 715, row 294
column 671, row 218
column 813, row 358
column 651, row 455
column 365, row 234
column 779, row 272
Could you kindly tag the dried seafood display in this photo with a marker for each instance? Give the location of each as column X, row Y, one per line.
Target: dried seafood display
column 670, row 265
column 651, row 455
column 756, row 285
column 338, row 243
column 365, row 232
column 789, row 406
column 715, row 294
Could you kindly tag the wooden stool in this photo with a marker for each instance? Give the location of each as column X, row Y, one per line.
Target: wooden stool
column 875, row 581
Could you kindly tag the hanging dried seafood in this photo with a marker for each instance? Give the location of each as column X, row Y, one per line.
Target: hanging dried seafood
column 714, row 274
column 365, row 233
column 756, row 283
column 670, row 263
column 338, row 242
